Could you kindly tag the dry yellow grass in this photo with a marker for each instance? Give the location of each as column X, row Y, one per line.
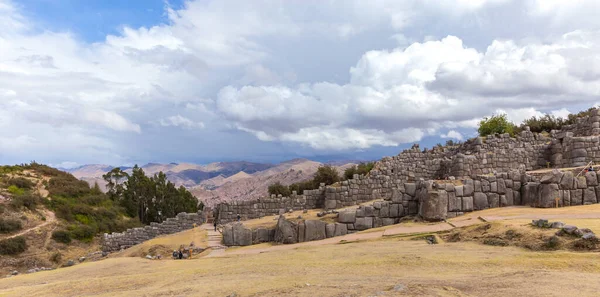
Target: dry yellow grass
column 353, row 269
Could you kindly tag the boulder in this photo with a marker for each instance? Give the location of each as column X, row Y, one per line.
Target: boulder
column 569, row 229
column 242, row 236
column 314, row 230
column 557, row 225
column 348, row 216
column 480, row 201
column 228, row 235
column 553, row 177
column 286, row 231
column 434, row 207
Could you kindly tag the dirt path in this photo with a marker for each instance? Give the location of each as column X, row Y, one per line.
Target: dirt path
column 214, row 241
column 50, row 218
column 399, row 229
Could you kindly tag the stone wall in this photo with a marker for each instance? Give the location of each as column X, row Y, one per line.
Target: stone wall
column 227, row 212
column 116, row 241
column 569, row 188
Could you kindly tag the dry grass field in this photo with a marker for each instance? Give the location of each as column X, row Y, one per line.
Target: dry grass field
column 371, row 264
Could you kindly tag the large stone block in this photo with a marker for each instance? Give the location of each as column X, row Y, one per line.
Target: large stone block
column 579, row 153
column 493, row 200
column 459, row 191
column 262, row 235
column 330, row 204
column 509, row 198
column 548, row 195
column 591, row 179
column 454, row 203
column 387, row 221
column 576, row 197
column 314, row 230
column 566, row 181
column 467, row 203
column 434, row 207
column 286, row 232
column 581, row 182
column 228, row 235
column 363, row 223
column 468, row 189
column 530, row 193
column 517, row 197
column 384, row 212
column 369, row 211
column 494, row 187
column 566, row 197
column 480, row 201
column 340, row 229
column 348, row 216
column 394, row 210
column 410, row 189
column 330, row 230
column 242, row 236
column 301, row 231
column 589, row 196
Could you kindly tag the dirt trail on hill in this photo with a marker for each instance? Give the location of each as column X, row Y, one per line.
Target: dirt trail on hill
column 50, row 218
column 403, row 229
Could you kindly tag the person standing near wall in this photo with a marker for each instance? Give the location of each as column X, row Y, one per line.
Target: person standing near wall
column 239, row 217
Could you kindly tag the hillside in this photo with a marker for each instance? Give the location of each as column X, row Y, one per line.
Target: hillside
column 256, row 185
column 221, row 181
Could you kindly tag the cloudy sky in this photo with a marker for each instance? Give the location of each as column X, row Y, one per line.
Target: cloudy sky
column 122, row 82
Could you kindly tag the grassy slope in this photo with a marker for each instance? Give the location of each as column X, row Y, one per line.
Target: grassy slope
column 352, row 269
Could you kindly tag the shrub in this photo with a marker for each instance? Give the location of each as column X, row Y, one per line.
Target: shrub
column 56, row 257
column 546, row 123
column 61, row 236
column 15, row 190
column 362, row 169
column 279, row 189
column 326, row 174
column 83, row 233
column 68, row 186
column 10, row 225
column 29, row 201
column 13, row 246
column 21, row 182
column 496, row 124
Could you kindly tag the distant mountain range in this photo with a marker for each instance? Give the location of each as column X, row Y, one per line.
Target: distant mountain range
column 221, row 181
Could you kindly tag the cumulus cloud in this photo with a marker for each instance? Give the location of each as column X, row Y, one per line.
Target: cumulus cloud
column 417, row 89
column 256, row 66
column 452, row 134
column 179, row 121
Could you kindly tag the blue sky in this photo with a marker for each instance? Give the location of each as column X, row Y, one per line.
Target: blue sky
column 123, row 82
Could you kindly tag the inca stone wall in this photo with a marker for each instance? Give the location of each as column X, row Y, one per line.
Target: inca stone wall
column 494, row 155
column 117, row 241
column 228, row 212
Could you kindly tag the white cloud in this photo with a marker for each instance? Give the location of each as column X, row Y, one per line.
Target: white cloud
column 111, row 120
column 179, row 121
column 452, row 134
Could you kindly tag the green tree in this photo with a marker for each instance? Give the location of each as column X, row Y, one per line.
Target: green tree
column 279, row 189
column 114, row 183
column 326, row 174
column 495, row 124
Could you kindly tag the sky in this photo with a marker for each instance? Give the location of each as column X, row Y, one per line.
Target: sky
column 123, row 82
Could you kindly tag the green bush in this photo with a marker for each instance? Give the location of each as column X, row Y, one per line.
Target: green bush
column 61, row 236
column 29, row 201
column 68, row 186
column 9, row 225
column 82, row 232
column 279, row 189
column 15, row 190
column 21, row 182
column 361, row 169
column 496, row 124
column 13, row 246
column 326, row 174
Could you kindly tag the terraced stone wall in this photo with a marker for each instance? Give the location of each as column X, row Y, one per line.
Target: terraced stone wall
column 117, row 241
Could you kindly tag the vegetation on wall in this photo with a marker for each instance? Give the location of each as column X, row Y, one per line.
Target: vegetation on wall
column 496, row 124
column 361, row 169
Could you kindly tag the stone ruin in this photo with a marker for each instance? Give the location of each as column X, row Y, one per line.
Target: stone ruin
column 436, row 184
column 183, row 221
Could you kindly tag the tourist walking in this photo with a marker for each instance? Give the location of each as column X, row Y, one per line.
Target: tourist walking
column 239, row 217
column 215, row 223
